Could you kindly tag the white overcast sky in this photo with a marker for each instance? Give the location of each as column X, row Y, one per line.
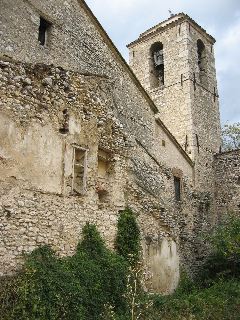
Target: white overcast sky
column 124, row 20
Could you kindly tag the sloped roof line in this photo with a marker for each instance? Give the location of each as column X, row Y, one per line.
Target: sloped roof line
column 118, row 55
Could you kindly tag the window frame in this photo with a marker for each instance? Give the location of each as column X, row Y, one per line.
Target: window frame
column 84, row 178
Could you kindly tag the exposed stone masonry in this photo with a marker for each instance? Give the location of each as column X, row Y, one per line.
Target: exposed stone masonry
column 227, row 183
column 37, row 202
column 72, row 109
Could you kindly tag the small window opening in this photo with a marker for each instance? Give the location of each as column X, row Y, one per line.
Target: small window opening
column 163, row 143
column 103, row 176
column 201, row 54
column 43, row 31
column 102, row 164
column 103, row 196
column 177, row 187
column 157, row 65
column 79, row 170
column 194, row 81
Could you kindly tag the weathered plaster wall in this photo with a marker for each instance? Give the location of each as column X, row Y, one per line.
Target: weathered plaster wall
column 164, row 150
column 161, row 217
column 227, row 183
column 163, row 262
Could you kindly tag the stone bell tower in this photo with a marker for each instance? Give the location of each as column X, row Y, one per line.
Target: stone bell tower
column 174, row 62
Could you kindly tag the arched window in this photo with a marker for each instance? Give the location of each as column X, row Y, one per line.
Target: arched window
column 202, row 62
column 201, row 55
column 157, row 65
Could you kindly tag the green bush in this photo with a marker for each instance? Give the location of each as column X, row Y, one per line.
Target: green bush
column 128, row 237
column 221, row 301
column 95, row 283
column 215, row 293
column 224, row 260
column 76, row 287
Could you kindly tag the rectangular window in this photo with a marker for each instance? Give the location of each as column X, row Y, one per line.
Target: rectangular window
column 43, row 31
column 102, row 164
column 177, row 187
column 103, row 176
column 79, row 170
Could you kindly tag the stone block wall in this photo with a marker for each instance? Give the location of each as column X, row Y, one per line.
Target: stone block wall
column 227, row 183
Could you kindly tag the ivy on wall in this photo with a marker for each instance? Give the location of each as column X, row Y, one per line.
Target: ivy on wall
column 128, row 236
column 77, row 287
column 80, row 287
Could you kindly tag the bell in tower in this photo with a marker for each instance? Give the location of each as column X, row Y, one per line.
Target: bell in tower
column 157, row 65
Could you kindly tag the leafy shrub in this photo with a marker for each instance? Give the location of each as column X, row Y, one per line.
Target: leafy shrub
column 231, row 136
column 221, row 301
column 76, row 287
column 224, row 260
column 128, row 237
column 215, row 294
column 95, row 283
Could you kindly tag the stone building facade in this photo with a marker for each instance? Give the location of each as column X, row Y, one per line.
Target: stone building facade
column 82, row 137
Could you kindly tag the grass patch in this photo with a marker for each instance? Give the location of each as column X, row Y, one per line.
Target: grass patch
column 221, row 301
